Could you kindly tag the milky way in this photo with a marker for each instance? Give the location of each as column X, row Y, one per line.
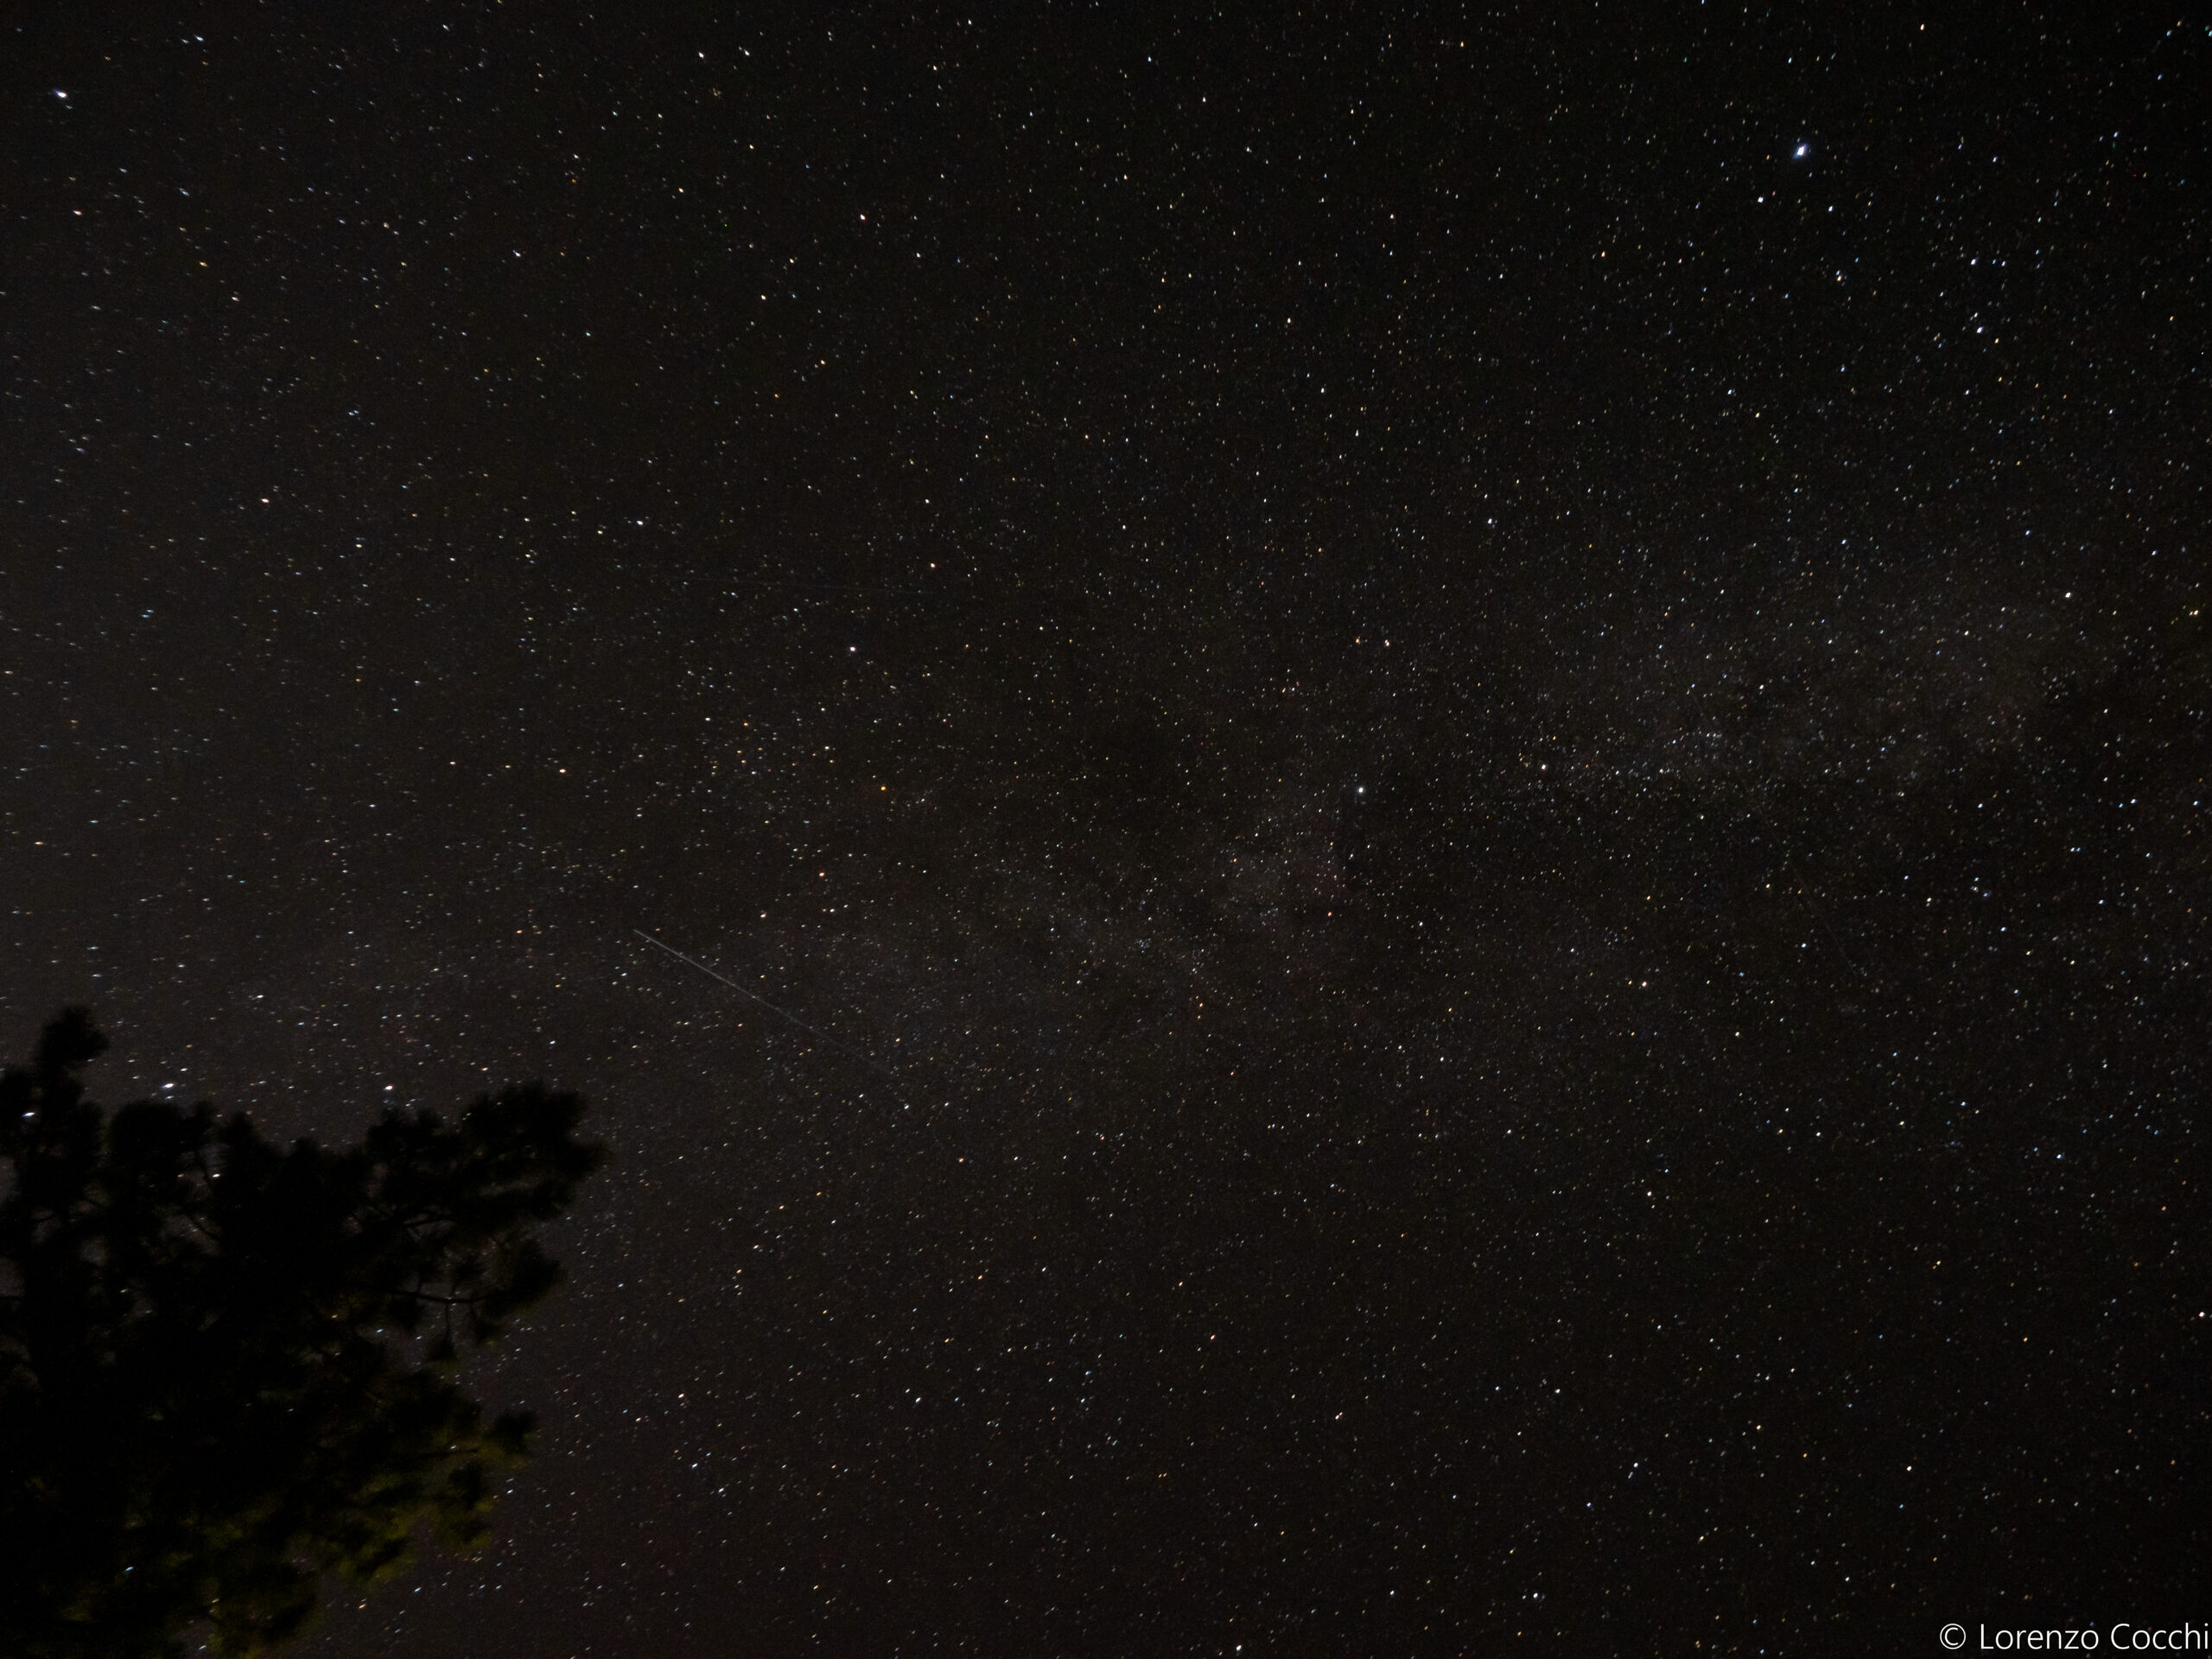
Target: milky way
column 1448, row 776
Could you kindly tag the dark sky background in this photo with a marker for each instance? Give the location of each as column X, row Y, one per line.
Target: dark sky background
column 1471, row 747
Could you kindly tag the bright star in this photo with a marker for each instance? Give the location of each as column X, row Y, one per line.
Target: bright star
column 1801, row 149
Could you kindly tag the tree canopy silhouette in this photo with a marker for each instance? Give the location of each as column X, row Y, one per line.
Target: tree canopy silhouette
column 227, row 1370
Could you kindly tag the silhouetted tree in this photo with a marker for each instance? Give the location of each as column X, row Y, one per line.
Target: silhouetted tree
column 227, row 1369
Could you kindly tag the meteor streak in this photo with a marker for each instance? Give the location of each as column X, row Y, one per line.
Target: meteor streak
column 818, row 1034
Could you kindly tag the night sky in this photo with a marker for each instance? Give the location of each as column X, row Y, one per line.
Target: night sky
column 1466, row 754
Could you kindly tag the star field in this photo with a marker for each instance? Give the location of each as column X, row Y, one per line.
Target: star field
column 1446, row 775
